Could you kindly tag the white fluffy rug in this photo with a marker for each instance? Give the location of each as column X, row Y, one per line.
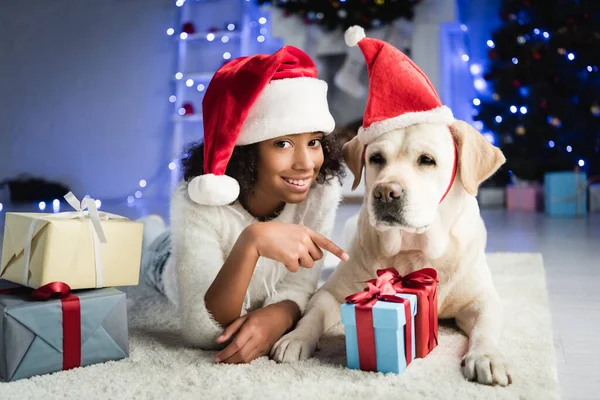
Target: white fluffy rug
column 161, row 368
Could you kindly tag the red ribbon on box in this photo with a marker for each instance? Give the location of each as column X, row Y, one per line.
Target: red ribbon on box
column 422, row 283
column 377, row 289
column 71, row 317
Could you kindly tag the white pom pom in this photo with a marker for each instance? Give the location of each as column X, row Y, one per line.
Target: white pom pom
column 353, row 35
column 213, row 190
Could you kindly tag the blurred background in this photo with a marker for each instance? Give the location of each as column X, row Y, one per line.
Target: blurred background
column 101, row 97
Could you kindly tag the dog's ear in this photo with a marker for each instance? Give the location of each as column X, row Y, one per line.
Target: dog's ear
column 353, row 156
column 478, row 159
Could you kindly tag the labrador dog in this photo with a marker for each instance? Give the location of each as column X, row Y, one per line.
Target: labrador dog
column 403, row 224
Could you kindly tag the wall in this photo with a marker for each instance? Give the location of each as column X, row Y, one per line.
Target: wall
column 84, row 91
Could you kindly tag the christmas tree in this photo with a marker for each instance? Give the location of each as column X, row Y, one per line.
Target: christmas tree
column 333, row 14
column 544, row 87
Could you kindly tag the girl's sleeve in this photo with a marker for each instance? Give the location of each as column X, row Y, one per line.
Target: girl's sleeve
column 300, row 286
column 199, row 257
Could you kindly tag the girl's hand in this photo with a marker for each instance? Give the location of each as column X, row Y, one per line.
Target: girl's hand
column 256, row 332
column 292, row 245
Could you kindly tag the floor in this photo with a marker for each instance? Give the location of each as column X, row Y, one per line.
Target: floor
column 571, row 250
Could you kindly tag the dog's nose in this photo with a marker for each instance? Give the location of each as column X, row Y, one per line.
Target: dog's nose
column 387, row 192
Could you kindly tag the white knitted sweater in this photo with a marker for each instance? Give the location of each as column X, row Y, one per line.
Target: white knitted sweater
column 203, row 237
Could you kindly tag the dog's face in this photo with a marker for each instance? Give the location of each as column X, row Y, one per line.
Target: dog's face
column 408, row 171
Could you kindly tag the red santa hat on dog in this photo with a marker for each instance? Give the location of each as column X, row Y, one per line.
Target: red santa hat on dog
column 252, row 99
column 400, row 94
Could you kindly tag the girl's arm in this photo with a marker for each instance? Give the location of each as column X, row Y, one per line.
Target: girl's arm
column 225, row 296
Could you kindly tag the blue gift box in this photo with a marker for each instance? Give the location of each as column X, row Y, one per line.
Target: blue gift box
column 388, row 322
column 565, row 193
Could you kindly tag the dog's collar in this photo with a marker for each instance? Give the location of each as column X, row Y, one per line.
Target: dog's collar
column 454, row 167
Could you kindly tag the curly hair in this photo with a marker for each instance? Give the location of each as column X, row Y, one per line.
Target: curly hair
column 243, row 164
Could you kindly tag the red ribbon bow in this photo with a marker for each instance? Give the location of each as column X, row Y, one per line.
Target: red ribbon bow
column 377, row 289
column 71, row 317
column 422, row 279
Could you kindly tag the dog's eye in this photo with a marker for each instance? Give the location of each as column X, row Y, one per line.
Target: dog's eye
column 426, row 160
column 377, row 159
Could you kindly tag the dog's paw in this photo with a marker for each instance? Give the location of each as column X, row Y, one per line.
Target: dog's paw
column 294, row 346
column 486, row 365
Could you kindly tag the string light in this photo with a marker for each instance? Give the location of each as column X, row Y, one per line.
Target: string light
column 589, row 68
column 491, row 44
column 143, row 183
column 183, row 35
column 571, row 56
column 178, row 75
column 172, row 98
column 130, row 199
column 515, row 60
column 189, row 83
column 225, row 39
column 56, row 205
column 42, row 205
column 581, row 163
column 181, row 111
column 465, row 57
column 546, row 35
column 260, row 39
column 463, row 27
column 498, row 119
column 551, row 144
column 180, row 3
column 513, row 109
column 170, row 31
column 536, row 31
column 475, row 69
column 230, row 27
column 480, row 84
column 489, row 137
column 263, row 31
column 476, row 102
column 210, row 37
column 172, row 166
column 523, row 110
column 227, row 55
column 569, row 149
column 1, row 206
column 200, row 87
column 262, row 20
column 138, row 194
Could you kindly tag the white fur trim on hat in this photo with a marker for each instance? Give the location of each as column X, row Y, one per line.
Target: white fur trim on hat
column 439, row 115
column 285, row 107
column 353, row 35
column 213, row 190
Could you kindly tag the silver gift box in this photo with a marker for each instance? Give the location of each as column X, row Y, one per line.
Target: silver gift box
column 31, row 332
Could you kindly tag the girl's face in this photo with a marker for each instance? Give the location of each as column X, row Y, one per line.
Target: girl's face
column 289, row 165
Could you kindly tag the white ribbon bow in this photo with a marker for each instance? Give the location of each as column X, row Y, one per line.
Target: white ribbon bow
column 85, row 209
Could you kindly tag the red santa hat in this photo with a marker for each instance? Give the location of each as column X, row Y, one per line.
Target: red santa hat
column 400, row 94
column 252, row 99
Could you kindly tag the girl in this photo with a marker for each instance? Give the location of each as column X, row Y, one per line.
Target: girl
column 250, row 220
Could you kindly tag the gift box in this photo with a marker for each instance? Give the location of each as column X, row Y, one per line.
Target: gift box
column 594, row 190
column 565, row 193
column 524, row 197
column 491, row 197
column 41, row 334
column 423, row 284
column 84, row 249
column 379, row 325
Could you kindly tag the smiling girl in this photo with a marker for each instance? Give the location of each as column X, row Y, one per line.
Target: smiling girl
column 251, row 219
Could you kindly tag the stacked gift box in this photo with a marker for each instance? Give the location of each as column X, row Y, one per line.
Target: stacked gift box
column 563, row 194
column 392, row 322
column 60, row 310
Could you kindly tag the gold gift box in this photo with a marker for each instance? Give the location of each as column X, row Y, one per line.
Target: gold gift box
column 63, row 249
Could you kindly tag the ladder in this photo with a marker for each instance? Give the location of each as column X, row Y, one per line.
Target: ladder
column 209, row 33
